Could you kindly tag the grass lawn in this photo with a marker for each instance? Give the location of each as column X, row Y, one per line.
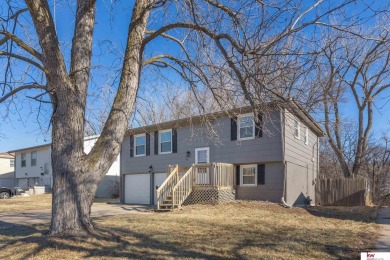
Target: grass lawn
column 246, row 230
column 33, row 202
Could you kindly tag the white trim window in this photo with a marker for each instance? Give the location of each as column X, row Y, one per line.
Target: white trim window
column 246, row 127
column 202, row 155
column 165, row 141
column 306, row 136
column 12, row 163
column 140, row 145
column 23, row 160
column 33, row 158
column 297, row 129
column 248, row 175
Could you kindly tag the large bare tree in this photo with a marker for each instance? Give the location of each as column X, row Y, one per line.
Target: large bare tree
column 353, row 72
column 214, row 40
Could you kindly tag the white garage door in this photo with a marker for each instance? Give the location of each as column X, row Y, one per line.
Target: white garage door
column 137, row 189
column 159, row 178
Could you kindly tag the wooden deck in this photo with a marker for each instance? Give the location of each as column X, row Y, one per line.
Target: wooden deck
column 208, row 177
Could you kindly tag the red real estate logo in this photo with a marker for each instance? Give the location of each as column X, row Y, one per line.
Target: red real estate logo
column 370, row 255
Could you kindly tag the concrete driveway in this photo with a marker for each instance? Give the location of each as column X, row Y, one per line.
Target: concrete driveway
column 383, row 219
column 31, row 217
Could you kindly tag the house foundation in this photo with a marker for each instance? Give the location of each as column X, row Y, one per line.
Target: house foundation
column 210, row 195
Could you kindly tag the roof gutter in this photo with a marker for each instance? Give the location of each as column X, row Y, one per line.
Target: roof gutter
column 307, row 115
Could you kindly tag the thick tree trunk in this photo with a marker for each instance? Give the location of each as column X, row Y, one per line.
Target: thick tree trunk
column 71, row 203
column 71, row 211
column 76, row 175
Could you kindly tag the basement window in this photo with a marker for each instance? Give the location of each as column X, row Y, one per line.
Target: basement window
column 140, row 145
column 248, row 175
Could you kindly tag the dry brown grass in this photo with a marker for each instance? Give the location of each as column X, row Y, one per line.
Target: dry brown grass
column 35, row 202
column 19, row 203
column 250, row 230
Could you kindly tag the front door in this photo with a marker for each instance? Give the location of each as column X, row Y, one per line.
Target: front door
column 202, row 155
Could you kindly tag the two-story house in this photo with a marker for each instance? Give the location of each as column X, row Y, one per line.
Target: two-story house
column 269, row 156
column 7, row 170
column 33, row 168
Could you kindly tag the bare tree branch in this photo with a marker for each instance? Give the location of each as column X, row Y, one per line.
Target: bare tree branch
column 16, row 90
column 20, row 43
column 19, row 57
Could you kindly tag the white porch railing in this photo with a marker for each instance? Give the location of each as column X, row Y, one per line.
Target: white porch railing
column 164, row 191
column 177, row 187
column 216, row 175
column 183, row 188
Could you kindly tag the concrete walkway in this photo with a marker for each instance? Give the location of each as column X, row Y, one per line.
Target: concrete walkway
column 383, row 219
column 31, row 217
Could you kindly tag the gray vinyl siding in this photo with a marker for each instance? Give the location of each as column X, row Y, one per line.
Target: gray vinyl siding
column 278, row 149
column 302, row 161
column 296, row 151
column 300, row 184
column 272, row 190
column 265, row 149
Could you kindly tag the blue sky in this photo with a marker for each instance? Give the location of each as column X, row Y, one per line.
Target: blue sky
column 22, row 129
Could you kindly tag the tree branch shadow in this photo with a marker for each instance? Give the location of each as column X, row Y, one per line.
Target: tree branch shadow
column 143, row 246
column 121, row 241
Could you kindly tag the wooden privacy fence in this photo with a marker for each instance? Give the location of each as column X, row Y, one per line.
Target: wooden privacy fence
column 341, row 192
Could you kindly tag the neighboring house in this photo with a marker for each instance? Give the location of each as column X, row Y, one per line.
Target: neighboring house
column 7, row 170
column 266, row 159
column 33, row 167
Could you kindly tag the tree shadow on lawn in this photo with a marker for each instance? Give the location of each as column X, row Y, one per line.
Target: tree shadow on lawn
column 16, row 230
column 122, row 242
column 284, row 242
column 358, row 213
column 106, row 243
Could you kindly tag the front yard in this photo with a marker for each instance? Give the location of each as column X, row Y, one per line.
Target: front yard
column 249, row 230
column 34, row 202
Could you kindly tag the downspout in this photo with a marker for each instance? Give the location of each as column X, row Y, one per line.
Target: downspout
column 315, row 147
column 282, row 124
column 318, row 156
column 121, row 179
column 15, row 179
column 318, row 162
column 153, row 188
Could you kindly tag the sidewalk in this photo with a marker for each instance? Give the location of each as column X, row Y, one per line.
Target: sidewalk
column 383, row 219
column 31, row 217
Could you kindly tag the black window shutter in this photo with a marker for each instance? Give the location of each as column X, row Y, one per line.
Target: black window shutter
column 237, row 175
column 233, row 128
column 261, row 174
column 131, row 146
column 174, row 140
column 155, row 142
column 147, row 144
column 259, row 126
